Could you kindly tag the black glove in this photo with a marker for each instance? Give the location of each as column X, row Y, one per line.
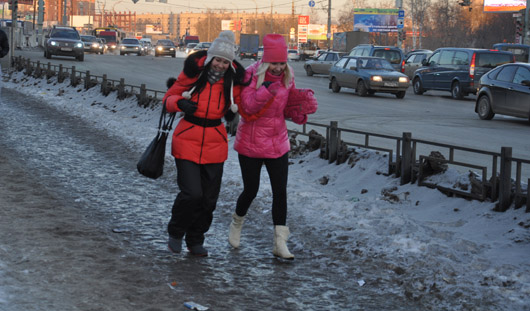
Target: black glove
column 266, row 83
column 187, row 106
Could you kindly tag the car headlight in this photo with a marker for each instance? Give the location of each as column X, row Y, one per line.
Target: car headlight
column 79, row 45
column 53, row 43
column 376, row 78
column 159, row 48
column 403, row 80
column 171, row 49
column 95, row 45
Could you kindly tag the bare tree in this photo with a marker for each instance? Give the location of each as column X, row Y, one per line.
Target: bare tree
column 418, row 12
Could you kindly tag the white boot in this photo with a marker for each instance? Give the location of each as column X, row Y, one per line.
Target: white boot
column 234, row 234
column 281, row 233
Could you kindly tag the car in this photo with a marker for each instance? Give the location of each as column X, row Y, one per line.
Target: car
column 260, row 52
column 292, row 54
column 367, row 75
column 90, row 44
column 201, row 46
column 146, row 47
column 505, row 90
column 64, row 41
column 102, row 45
column 521, row 51
column 392, row 54
column 165, row 47
column 457, row 70
column 414, row 60
column 131, row 46
column 189, row 47
column 322, row 64
column 318, row 53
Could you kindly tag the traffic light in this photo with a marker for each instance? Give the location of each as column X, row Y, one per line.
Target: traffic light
column 519, row 25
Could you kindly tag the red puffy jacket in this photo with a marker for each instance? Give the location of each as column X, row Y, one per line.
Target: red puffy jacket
column 202, row 145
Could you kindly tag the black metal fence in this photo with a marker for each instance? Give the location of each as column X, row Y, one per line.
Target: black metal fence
column 404, row 162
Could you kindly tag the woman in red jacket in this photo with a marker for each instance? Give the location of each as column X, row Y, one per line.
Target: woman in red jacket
column 205, row 91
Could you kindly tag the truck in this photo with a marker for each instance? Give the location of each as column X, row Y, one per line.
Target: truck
column 346, row 41
column 248, row 46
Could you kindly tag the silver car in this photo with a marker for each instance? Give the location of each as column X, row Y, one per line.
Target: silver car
column 414, row 61
column 131, row 45
column 322, row 64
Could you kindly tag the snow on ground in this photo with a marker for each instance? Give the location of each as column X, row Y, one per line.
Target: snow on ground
column 357, row 201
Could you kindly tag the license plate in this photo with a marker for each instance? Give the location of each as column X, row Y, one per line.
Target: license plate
column 392, row 84
column 66, row 49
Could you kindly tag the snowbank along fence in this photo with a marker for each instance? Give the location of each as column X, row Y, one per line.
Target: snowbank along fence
column 404, row 160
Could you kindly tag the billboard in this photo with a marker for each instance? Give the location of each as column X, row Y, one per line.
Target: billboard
column 233, row 25
column 504, row 5
column 375, row 20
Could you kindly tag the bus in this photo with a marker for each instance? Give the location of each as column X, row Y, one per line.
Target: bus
column 112, row 35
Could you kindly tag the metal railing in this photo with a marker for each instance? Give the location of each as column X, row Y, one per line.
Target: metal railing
column 403, row 160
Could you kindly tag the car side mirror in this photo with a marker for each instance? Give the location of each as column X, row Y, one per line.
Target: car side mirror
column 526, row 82
column 424, row 62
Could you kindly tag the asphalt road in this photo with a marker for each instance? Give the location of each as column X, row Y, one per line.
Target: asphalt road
column 433, row 116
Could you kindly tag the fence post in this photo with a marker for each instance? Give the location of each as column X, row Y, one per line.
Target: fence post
column 333, row 141
column 505, row 180
column 60, row 78
column 72, row 77
column 49, row 71
column 104, row 85
column 142, row 100
column 528, row 196
column 121, row 89
column 406, row 158
column 87, row 80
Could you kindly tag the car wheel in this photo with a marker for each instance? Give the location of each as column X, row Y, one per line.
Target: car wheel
column 48, row 55
column 456, row 91
column 401, row 94
column 371, row 92
column 174, row 55
column 309, row 71
column 361, row 88
column 484, row 108
column 418, row 87
column 81, row 57
column 335, row 87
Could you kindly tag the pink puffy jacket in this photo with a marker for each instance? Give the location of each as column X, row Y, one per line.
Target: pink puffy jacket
column 265, row 137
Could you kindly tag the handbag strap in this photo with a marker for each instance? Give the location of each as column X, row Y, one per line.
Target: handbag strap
column 254, row 117
column 165, row 123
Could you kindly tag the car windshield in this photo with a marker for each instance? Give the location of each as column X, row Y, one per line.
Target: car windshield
column 165, row 43
column 130, row 41
column 66, row 34
column 392, row 56
column 88, row 38
column 374, row 63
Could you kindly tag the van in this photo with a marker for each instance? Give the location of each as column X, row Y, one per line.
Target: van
column 457, row 70
column 521, row 51
column 392, row 54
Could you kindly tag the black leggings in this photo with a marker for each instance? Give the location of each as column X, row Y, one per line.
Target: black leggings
column 278, row 171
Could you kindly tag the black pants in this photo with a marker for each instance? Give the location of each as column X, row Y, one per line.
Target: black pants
column 278, row 171
column 192, row 212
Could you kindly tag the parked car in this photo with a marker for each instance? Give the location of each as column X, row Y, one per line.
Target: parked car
column 90, row 44
column 131, row 46
column 392, row 54
column 201, row 46
column 414, row 60
column 367, row 75
column 64, row 41
column 292, row 54
column 189, row 47
column 102, row 46
column 505, row 90
column 457, row 70
column 322, row 64
column 521, row 51
column 165, row 47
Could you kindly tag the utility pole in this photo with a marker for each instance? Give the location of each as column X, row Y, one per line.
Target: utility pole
column 399, row 5
column 526, row 32
column 64, row 13
column 14, row 8
column 328, row 35
column 40, row 20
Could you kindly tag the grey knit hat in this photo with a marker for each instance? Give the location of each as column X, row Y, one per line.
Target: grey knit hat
column 223, row 46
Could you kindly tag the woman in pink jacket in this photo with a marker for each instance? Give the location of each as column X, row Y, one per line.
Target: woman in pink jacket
column 262, row 138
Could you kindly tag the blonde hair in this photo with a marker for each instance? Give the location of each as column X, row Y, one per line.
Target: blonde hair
column 262, row 69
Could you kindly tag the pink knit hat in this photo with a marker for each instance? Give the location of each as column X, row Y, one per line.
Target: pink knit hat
column 274, row 49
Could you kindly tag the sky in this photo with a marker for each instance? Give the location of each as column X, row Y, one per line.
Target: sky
column 463, row 242
column 281, row 6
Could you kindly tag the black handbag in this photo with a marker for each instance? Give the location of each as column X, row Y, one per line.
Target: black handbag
column 151, row 162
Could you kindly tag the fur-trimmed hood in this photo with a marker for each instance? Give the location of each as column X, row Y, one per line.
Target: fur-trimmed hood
column 194, row 65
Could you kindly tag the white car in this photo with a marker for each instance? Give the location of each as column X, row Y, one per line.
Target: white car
column 293, row 55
